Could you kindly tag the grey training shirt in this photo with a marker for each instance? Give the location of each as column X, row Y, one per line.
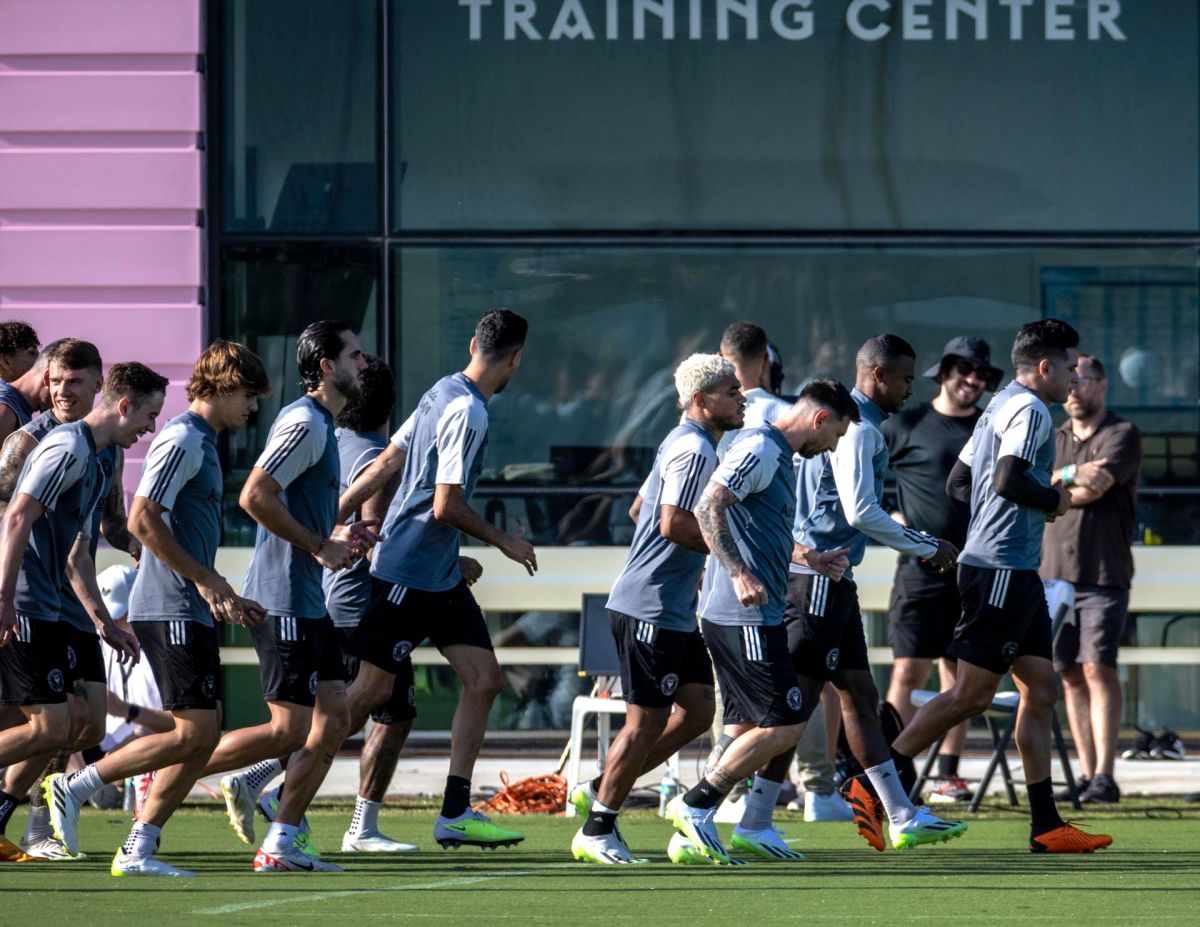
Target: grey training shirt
column 10, row 396
column 348, row 592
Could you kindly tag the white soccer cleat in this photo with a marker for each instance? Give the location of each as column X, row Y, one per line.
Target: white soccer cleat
column 49, row 848
column 698, row 825
column 291, row 860
column 123, row 865
column 375, row 842
column 767, row 843
column 64, row 811
column 239, row 805
column 682, row 852
column 924, row 827
column 831, row 807
column 605, row 849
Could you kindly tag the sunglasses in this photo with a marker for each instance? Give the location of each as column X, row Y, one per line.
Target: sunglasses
column 964, row 368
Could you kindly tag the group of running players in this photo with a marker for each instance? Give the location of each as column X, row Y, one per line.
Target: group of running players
column 356, row 562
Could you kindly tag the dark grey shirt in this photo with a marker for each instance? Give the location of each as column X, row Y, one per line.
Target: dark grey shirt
column 10, row 396
column 348, row 592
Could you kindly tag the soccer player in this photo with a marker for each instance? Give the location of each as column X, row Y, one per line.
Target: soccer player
column 177, row 514
column 420, row 590
column 23, row 397
column 923, row 443
column 43, row 544
column 292, row 493
column 745, row 518
column 1005, row 472
column 652, row 608
column 74, row 373
column 18, row 349
column 838, row 508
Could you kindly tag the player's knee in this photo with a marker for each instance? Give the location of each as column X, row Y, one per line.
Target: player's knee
column 1073, row 675
column 90, row 736
column 971, row 702
column 1042, row 697
column 484, row 682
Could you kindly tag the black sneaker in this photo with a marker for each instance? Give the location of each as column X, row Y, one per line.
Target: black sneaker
column 1168, row 746
column 1101, row 791
column 1141, row 747
column 1081, row 784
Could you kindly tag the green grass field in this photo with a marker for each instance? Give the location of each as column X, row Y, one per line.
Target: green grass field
column 1151, row 874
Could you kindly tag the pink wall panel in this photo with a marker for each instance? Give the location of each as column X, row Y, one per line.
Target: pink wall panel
column 99, row 257
column 40, row 27
column 157, row 335
column 99, row 102
column 77, row 180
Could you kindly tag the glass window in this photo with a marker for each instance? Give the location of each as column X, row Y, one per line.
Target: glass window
column 299, row 127
column 707, row 115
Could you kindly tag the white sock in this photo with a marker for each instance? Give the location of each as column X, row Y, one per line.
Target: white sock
column 37, row 826
column 258, row 775
column 895, row 800
column 598, row 807
column 142, row 841
column 85, row 783
column 760, row 804
column 366, row 816
column 280, row 838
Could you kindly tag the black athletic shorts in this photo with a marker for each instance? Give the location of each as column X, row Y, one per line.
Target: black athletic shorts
column 824, row 626
column 33, row 667
column 402, row 706
column 758, row 684
column 400, row 618
column 186, row 660
column 656, row 662
column 85, row 656
column 924, row 610
column 293, row 654
column 1005, row 616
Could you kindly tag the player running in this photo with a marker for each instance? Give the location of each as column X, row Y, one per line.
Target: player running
column 652, row 608
column 1005, row 472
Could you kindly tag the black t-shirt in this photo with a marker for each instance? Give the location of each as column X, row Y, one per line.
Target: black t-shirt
column 922, row 447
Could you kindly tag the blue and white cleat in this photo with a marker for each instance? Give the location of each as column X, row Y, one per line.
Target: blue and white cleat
column 698, row 826
column 924, row 827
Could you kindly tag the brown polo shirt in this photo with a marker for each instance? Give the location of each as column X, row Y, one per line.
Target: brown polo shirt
column 1090, row 545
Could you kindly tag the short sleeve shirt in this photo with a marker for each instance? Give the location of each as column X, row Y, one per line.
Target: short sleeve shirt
column 348, row 592
column 11, row 397
column 183, row 475
column 73, row 611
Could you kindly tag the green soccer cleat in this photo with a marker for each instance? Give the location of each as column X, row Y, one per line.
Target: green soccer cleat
column 924, row 827
column 767, row 843
column 268, row 808
column 474, row 830
column 582, row 798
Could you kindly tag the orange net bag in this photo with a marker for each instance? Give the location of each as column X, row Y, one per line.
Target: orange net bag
column 536, row 795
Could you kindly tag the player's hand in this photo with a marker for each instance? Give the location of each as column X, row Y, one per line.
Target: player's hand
column 123, row 641
column 946, row 556
column 515, row 547
column 1064, row 502
column 471, row 569
column 219, row 596
column 749, row 590
column 247, row 612
column 359, row 535
column 8, row 623
column 1093, row 476
column 831, row 563
column 135, row 550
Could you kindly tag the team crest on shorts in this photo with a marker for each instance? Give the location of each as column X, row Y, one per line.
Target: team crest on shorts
column 401, row 650
column 412, row 695
column 312, row 684
column 54, row 679
column 209, row 686
column 831, row 659
column 1009, row 650
column 670, row 683
column 795, row 698
column 70, row 657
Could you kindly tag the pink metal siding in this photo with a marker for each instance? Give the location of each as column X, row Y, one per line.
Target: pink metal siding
column 100, row 179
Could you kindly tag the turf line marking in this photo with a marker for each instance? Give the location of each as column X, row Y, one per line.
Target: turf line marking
column 349, row 893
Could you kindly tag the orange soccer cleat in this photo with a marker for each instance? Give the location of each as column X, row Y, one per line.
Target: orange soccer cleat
column 11, row 853
column 1068, row 839
column 868, row 812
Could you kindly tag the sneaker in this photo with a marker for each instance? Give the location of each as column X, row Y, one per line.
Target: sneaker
column 952, row 789
column 239, row 805
column 291, row 860
column 268, row 809
column 49, row 848
column 699, row 826
column 64, row 811
column 11, row 853
column 867, row 811
column 1167, row 746
column 1068, row 839
column 606, row 849
column 375, row 842
column 1102, row 790
column 582, row 797
column 141, row 790
column 831, row 807
column 123, row 865
column 1081, row 784
column 924, row 827
column 474, row 830
column 767, row 843
column 1141, row 747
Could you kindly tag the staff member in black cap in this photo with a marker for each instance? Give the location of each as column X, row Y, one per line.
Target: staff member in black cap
column 923, row 443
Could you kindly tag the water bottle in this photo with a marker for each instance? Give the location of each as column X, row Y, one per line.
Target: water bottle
column 129, row 802
column 668, row 788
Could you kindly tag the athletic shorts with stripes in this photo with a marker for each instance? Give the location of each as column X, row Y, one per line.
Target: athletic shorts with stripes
column 824, row 626
column 754, row 670
column 657, row 662
column 85, row 656
column 400, row 618
column 33, row 667
column 1005, row 616
column 185, row 658
column 294, row 654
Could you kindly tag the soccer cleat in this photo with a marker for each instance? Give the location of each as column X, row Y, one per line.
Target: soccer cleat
column 682, row 852
column 606, row 849
column 11, row 853
column 867, row 810
column 49, row 848
column 831, row 807
column 239, row 805
column 290, row 860
column 1068, row 839
column 582, row 798
column 474, row 830
column 268, row 808
column 141, row 790
column 375, row 842
column 698, row 826
column 949, row 790
column 767, row 843
column 64, row 811
column 924, row 827
column 123, row 865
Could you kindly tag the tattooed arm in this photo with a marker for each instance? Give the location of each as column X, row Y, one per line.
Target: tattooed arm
column 712, row 517
column 113, row 523
column 12, row 459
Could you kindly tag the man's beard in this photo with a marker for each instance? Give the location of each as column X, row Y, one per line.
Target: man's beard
column 348, row 385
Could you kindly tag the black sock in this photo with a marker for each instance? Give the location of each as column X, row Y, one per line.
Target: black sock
column 947, row 766
column 1042, row 810
column 8, row 804
column 92, row 755
column 457, row 797
column 600, row 823
column 703, row 795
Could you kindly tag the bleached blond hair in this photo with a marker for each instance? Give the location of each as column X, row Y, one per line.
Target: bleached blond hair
column 699, row 374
